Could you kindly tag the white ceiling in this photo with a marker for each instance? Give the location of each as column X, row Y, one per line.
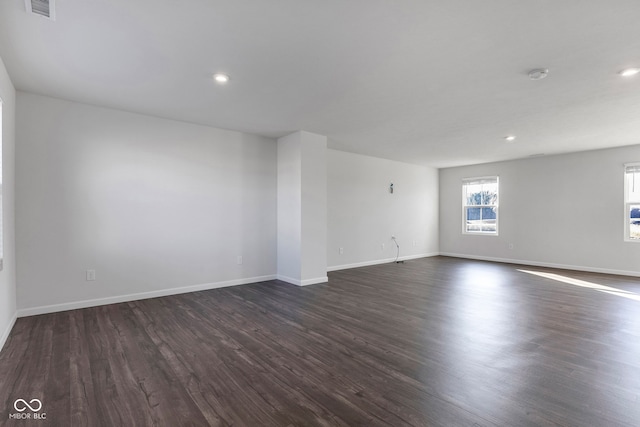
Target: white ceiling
column 430, row 82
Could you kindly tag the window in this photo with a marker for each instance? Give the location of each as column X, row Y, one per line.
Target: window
column 632, row 202
column 480, row 205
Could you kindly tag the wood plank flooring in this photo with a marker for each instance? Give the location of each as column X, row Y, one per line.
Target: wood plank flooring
column 432, row 342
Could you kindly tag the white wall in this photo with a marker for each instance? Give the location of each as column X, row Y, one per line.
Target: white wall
column 8, row 273
column 289, row 208
column 564, row 211
column 302, row 208
column 362, row 214
column 154, row 206
column 314, row 208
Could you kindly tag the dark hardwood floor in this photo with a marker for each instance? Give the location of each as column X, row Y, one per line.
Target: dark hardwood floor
column 432, row 342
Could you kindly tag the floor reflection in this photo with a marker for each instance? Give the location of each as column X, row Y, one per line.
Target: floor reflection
column 582, row 283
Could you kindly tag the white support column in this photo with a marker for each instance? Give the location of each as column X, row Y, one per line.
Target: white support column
column 302, row 208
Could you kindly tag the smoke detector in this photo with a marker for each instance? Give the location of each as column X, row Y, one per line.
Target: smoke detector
column 44, row 8
column 538, row 73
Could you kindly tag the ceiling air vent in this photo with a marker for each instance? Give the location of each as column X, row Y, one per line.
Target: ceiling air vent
column 44, row 8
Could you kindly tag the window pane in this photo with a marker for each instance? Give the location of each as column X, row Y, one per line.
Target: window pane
column 633, row 187
column 481, row 220
column 474, row 219
column 489, row 194
column 489, row 213
column 473, row 214
column 473, row 194
column 488, row 225
column 634, row 222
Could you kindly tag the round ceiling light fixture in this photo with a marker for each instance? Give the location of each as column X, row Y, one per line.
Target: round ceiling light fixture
column 221, row 78
column 538, row 73
column 628, row 72
column 510, row 138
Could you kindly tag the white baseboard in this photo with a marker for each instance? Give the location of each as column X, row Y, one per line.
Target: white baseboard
column 380, row 261
column 305, row 282
column 7, row 331
column 545, row 264
column 314, row 281
column 32, row 311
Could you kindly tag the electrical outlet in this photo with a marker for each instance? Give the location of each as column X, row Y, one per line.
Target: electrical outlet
column 414, row 242
column 382, row 246
column 341, row 251
column 239, row 260
column 91, row 275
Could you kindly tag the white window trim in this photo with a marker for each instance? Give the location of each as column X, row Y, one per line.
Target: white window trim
column 465, row 206
column 627, row 204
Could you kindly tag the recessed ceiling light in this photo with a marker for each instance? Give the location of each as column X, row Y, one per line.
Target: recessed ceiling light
column 509, row 138
column 628, row 72
column 221, row 78
column 538, row 73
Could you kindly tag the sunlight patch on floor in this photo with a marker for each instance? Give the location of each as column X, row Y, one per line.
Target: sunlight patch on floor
column 585, row 284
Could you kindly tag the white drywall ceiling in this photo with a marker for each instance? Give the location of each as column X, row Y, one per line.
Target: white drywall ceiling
column 430, row 82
